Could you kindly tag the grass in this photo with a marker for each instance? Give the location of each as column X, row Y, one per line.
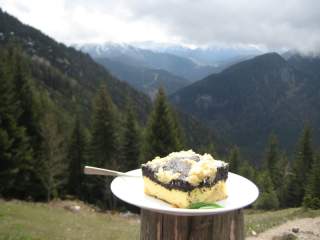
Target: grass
column 39, row 221
column 35, row 221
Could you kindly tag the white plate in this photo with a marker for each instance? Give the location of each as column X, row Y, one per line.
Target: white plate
column 241, row 193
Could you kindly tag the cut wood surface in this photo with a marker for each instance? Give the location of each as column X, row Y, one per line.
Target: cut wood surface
column 156, row 226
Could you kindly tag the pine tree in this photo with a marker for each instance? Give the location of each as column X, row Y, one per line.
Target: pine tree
column 104, row 133
column 131, row 142
column 313, row 186
column 312, row 197
column 282, row 187
column 180, row 135
column 161, row 135
column 300, row 170
column 103, row 149
column 247, row 170
column 16, row 152
column 7, row 127
column 268, row 198
column 234, row 159
column 272, row 160
column 77, row 154
column 52, row 165
column 293, row 191
column 306, row 151
column 27, row 117
column 208, row 149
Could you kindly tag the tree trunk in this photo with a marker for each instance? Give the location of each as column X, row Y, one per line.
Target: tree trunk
column 158, row 226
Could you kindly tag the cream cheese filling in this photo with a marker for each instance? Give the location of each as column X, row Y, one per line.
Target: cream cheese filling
column 183, row 199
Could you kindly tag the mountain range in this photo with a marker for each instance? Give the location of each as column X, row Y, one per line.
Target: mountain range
column 139, row 57
column 72, row 78
column 144, row 79
column 241, row 104
column 81, row 74
column 218, row 56
column 249, row 100
column 148, row 65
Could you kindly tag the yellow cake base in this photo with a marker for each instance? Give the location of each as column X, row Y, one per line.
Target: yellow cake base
column 184, row 199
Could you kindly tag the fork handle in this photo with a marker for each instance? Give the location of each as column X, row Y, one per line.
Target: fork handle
column 104, row 172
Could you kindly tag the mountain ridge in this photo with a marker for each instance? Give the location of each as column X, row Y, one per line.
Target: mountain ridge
column 249, row 100
column 71, row 79
column 70, row 62
column 131, row 55
column 144, row 79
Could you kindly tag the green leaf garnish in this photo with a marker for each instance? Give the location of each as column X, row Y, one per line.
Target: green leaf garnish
column 204, row 205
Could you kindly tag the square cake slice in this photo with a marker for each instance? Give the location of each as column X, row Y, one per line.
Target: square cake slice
column 183, row 178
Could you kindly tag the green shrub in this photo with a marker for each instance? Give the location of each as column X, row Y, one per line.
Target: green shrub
column 311, row 202
column 267, row 201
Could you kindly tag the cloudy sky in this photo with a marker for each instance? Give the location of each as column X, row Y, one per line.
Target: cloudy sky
column 272, row 24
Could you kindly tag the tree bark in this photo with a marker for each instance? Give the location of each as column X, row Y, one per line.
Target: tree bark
column 158, row 226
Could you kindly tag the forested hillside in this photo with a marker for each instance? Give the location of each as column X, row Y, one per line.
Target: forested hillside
column 60, row 110
column 82, row 76
column 73, row 78
column 251, row 99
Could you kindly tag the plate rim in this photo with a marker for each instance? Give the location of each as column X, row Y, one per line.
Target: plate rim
column 186, row 211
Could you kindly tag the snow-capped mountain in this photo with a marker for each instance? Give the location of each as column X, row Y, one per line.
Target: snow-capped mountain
column 108, row 49
column 212, row 55
column 182, row 66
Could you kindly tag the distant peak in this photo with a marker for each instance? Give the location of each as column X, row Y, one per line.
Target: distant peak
column 265, row 61
column 272, row 56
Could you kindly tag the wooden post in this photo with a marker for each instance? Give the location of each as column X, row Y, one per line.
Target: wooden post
column 158, row 226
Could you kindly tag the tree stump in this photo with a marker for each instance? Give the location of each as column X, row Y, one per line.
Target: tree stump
column 159, row 226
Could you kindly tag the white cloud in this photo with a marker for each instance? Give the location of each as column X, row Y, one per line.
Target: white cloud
column 270, row 23
column 77, row 22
